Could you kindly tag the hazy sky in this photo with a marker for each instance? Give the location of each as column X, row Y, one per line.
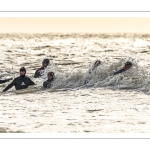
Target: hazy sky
column 67, row 25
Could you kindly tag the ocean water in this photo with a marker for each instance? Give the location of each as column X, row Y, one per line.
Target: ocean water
column 106, row 104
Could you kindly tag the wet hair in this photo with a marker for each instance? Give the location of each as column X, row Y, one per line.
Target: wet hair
column 97, row 62
column 23, row 69
column 128, row 63
column 46, row 61
column 51, row 74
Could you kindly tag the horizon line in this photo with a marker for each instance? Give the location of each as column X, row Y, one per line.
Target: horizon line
column 74, row 32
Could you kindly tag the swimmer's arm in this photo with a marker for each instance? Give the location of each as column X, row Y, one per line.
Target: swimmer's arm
column 45, row 84
column 31, row 82
column 10, row 85
column 37, row 74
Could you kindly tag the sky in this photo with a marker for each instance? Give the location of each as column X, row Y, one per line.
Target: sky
column 75, row 24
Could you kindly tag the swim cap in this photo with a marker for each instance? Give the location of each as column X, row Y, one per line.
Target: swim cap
column 46, row 61
column 128, row 63
column 51, row 74
column 23, row 69
column 97, row 62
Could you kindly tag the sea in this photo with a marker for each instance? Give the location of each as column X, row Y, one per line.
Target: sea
column 108, row 103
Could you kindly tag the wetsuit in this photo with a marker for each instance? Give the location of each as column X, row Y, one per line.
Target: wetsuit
column 6, row 80
column 119, row 71
column 39, row 72
column 21, row 82
column 47, row 84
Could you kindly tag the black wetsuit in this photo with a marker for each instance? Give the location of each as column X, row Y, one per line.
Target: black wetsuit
column 6, row 80
column 39, row 72
column 47, row 84
column 21, row 82
column 119, row 71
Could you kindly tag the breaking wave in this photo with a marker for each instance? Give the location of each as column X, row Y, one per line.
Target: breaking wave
column 68, row 49
column 103, row 76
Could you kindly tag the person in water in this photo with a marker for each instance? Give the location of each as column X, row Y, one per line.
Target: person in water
column 126, row 67
column 39, row 72
column 6, row 80
column 21, row 82
column 96, row 64
column 48, row 83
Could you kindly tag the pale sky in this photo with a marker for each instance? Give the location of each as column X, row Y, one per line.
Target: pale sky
column 68, row 25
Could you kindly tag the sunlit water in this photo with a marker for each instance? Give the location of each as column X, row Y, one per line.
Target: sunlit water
column 107, row 104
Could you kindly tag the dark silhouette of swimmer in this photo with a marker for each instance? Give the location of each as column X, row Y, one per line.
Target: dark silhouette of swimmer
column 39, row 72
column 126, row 67
column 21, row 82
column 96, row 64
column 48, row 83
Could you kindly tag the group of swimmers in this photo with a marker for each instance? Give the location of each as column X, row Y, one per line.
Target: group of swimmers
column 127, row 66
column 22, row 82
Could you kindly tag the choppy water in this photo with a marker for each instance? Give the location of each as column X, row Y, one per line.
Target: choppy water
column 106, row 104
